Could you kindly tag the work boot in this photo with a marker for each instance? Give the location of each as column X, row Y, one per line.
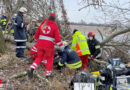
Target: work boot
column 50, row 76
column 30, row 73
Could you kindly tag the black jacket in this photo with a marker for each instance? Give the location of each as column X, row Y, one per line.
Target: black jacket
column 92, row 47
column 19, row 29
column 69, row 56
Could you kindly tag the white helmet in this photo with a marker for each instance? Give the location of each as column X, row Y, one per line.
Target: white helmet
column 65, row 43
column 34, row 20
column 23, row 9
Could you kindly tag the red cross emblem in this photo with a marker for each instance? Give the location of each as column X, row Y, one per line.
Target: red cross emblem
column 46, row 30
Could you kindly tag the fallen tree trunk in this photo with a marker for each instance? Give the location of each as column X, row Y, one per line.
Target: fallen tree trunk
column 114, row 35
column 10, row 38
column 19, row 75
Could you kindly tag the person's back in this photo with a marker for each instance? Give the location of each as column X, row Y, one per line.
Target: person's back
column 48, row 36
column 79, row 44
column 71, row 55
column 71, row 59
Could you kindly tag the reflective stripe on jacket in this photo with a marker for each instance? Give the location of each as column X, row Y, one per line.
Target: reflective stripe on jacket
column 79, row 44
column 49, row 35
column 70, row 59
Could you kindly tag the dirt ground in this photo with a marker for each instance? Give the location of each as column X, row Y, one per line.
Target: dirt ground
column 11, row 65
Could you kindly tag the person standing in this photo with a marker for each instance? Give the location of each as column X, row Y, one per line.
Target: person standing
column 80, row 45
column 19, row 33
column 3, row 22
column 46, row 36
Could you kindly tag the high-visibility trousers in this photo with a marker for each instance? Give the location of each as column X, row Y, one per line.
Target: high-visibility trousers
column 44, row 53
column 84, row 60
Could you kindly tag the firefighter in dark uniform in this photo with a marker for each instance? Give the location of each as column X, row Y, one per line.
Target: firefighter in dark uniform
column 94, row 46
column 19, row 33
column 3, row 22
column 70, row 58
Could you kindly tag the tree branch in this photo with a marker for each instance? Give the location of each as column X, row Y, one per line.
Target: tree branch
column 114, row 35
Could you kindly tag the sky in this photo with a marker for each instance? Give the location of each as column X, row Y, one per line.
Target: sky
column 88, row 15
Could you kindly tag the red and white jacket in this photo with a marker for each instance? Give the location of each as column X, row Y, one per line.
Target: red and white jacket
column 48, row 36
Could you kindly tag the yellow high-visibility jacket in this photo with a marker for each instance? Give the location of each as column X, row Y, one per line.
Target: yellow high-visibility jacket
column 79, row 44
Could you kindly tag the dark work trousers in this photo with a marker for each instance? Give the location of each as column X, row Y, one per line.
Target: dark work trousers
column 20, row 47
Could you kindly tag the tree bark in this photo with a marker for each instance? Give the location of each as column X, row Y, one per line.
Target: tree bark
column 114, row 35
column 2, row 43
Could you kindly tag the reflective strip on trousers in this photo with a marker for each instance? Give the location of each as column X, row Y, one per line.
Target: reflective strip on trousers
column 35, row 64
column 34, row 50
column 46, row 38
column 32, row 67
column 16, row 40
column 81, row 50
column 20, row 46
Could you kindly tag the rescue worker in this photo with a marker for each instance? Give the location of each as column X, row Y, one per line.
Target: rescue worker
column 94, row 46
column 33, row 54
column 46, row 36
column 79, row 44
column 3, row 22
column 19, row 33
column 13, row 21
column 70, row 58
column 32, row 29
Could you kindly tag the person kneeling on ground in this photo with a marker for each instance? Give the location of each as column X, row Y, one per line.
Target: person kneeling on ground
column 69, row 58
column 33, row 54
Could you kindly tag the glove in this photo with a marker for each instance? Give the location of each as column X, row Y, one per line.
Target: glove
column 27, row 22
column 92, row 58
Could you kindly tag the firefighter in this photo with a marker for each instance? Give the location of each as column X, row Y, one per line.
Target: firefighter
column 70, row 58
column 19, row 33
column 46, row 36
column 94, row 46
column 3, row 22
column 79, row 44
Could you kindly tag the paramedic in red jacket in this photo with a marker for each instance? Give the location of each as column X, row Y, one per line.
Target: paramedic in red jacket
column 46, row 36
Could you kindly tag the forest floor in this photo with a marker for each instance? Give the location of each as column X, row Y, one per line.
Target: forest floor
column 11, row 65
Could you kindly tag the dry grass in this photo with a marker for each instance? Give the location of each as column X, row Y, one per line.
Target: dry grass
column 11, row 65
